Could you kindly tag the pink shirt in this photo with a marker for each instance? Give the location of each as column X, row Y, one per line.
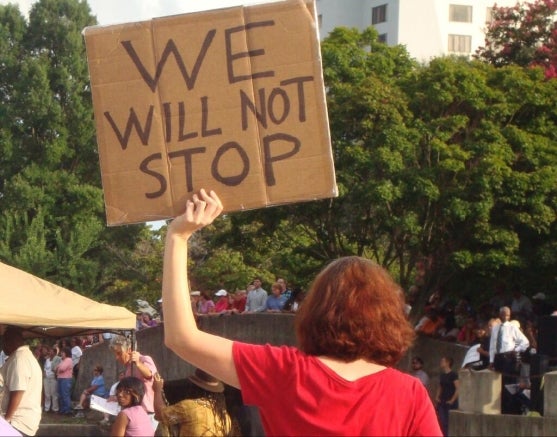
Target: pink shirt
column 64, row 369
column 205, row 307
column 314, row 400
column 149, row 397
column 139, row 423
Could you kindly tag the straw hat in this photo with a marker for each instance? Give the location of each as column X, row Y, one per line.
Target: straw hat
column 206, row 381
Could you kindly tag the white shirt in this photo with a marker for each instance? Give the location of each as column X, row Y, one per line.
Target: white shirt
column 48, row 371
column 22, row 372
column 257, row 300
column 512, row 339
column 422, row 376
column 76, row 354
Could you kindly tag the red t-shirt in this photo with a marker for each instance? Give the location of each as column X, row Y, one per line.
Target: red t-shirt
column 240, row 304
column 299, row 395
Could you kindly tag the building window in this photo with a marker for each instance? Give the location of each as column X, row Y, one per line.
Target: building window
column 382, row 38
column 489, row 15
column 379, row 14
column 460, row 43
column 320, row 20
column 460, row 13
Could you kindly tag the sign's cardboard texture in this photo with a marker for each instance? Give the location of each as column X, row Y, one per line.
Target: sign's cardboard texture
column 230, row 100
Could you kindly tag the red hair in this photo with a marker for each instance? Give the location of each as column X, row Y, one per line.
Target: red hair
column 354, row 310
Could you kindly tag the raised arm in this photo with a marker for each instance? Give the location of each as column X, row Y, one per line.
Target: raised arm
column 211, row 353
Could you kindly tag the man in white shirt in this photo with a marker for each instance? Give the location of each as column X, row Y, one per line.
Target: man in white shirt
column 23, row 383
column 506, row 338
column 257, row 298
column 76, row 355
column 418, row 371
column 507, row 341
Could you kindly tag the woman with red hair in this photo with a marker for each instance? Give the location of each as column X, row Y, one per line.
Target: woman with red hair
column 351, row 330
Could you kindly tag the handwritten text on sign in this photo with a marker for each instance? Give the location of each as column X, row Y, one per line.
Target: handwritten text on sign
column 210, row 100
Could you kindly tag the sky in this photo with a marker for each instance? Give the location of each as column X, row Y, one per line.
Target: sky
column 125, row 11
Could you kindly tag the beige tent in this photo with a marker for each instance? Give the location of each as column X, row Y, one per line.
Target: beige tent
column 47, row 310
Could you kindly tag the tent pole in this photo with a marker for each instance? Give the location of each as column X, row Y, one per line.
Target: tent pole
column 134, row 348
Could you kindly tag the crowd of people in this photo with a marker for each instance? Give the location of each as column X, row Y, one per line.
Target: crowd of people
column 138, row 397
column 36, row 380
column 43, row 380
column 59, row 364
column 253, row 299
column 463, row 322
column 502, row 335
column 140, row 394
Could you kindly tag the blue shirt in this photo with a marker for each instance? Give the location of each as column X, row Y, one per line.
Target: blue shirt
column 99, row 382
column 275, row 303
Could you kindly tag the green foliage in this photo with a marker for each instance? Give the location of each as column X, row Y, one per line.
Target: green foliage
column 134, row 263
column 449, row 165
column 52, row 221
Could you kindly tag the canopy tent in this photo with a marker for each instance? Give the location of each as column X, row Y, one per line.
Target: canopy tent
column 44, row 309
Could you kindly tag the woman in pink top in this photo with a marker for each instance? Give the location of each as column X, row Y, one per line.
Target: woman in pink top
column 132, row 420
column 64, row 377
column 351, row 330
column 205, row 305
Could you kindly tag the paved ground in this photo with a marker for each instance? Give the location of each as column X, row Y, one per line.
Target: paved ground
column 56, row 425
column 90, row 417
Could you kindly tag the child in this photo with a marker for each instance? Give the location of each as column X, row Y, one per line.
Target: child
column 132, row 419
column 112, row 397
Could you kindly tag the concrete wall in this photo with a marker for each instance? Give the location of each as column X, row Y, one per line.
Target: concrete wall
column 479, row 392
column 476, row 424
column 276, row 329
column 480, row 403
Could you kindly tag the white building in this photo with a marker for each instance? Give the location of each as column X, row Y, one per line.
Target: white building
column 428, row 28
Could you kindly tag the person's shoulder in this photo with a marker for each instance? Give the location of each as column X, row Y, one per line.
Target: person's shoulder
column 398, row 378
column 186, row 407
column 22, row 350
column 23, row 353
column 270, row 353
column 145, row 358
column 269, row 348
column 422, row 372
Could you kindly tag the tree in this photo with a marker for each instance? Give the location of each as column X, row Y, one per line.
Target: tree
column 52, row 222
column 525, row 35
column 446, row 173
column 296, row 241
column 489, row 137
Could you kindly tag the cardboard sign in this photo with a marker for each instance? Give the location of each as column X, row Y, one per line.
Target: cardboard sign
column 230, row 100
